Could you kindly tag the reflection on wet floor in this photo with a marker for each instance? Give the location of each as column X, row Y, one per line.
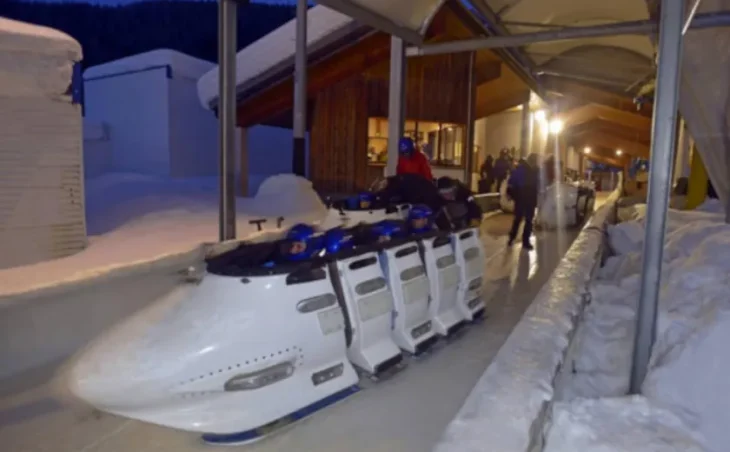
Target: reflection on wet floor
column 406, row 413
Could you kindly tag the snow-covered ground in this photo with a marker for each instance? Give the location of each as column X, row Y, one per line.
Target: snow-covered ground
column 133, row 218
column 686, row 395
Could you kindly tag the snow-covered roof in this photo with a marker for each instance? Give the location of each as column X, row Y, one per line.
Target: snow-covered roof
column 182, row 65
column 276, row 48
column 22, row 37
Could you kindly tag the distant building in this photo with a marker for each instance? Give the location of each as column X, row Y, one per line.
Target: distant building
column 41, row 180
column 347, row 91
column 142, row 115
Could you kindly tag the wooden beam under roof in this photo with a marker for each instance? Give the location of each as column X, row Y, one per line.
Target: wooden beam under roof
column 578, row 92
column 591, row 112
column 596, row 139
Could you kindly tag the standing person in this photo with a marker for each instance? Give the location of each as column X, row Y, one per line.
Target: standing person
column 486, row 171
column 524, row 186
column 411, row 160
column 501, row 168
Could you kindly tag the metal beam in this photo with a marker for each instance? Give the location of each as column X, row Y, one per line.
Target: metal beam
column 396, row 101
column 664, row 129
column 299, row 153
column 639, row 27
column 470, row 118
column 227, row 38
column 373, row 19
column 525, row 130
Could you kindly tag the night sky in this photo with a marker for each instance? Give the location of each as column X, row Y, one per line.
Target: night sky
column 125, row 2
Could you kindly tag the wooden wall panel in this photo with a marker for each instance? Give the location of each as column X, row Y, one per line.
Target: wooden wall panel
column 436, row 88
column 338, row 139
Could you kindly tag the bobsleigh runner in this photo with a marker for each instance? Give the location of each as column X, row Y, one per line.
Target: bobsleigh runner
column 560, row 205
column 247, row 343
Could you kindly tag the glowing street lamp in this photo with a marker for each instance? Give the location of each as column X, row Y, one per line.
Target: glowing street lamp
column 556, row 126
column 619, row 152
column 540, row 116
column 586, row 150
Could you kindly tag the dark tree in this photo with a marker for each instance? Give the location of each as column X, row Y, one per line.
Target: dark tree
column 108, row 33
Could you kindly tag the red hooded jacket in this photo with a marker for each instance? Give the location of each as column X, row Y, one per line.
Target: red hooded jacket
column 415, row 164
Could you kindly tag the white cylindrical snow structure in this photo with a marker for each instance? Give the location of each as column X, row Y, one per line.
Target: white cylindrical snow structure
column 41, row 178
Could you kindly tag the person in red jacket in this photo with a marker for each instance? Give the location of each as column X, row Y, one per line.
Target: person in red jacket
column 411, row 160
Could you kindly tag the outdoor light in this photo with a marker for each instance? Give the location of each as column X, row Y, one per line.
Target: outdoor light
column 540, row 115
column 556, row 126
column 586, row 150
column 619, row 152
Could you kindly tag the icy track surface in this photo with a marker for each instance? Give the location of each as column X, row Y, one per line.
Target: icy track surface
column 406, row 413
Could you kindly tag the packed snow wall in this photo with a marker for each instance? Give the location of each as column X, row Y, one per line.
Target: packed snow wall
column 508, row 407
column 41, row 174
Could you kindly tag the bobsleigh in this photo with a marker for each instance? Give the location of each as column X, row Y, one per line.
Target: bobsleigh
column 242, row 348
column 235, row 350
column 564, row 205
column 561, row 205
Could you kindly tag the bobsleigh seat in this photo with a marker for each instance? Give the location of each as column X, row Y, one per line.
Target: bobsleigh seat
column 341, row 214
column 233, row 353
column 406, row 275
column 470, row 260
column 364, row 295
column 444, row 276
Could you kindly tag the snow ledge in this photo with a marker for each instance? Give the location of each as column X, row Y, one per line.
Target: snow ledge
column 510, row 403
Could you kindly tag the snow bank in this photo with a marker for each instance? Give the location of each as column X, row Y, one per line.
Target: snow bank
column 141, row 219
column 617, row 425
column 689, row 367
column 506, row 409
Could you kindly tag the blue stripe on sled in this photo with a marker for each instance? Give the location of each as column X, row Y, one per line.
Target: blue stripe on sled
column 250, row 435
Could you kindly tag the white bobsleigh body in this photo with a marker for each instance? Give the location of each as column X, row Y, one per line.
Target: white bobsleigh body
column 470, row 259
column 406, row 276
column 368, row 304
column 237, row 350
column 444, row 276
column 224, row 355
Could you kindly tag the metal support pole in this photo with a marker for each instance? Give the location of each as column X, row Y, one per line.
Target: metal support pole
column 396, row 101
column 227, row 33
column 470, row 119
column 525, row 131
column 639, row 27
column 664, row 128
column 299, row 154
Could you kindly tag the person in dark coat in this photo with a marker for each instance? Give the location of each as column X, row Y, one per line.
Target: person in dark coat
column 451, row 202
column 501, row 168
column 524, row 186
column 486, row 171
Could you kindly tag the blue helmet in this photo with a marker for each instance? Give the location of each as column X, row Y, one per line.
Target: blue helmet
column 301, row 233
column 336, row 240
column 406, row 146
column 387, row 229
column 420, row 212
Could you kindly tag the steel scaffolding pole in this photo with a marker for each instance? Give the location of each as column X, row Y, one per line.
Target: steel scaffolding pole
column 227, row 33
column 396, row 101
column 663, row 131
column 299, row 153
column 525, row 130
column 470, row 118
column 639, row 27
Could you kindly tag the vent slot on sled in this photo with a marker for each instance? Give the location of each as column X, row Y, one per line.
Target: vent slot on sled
column 406, row 251
column 305, row 275
column 362, row 263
